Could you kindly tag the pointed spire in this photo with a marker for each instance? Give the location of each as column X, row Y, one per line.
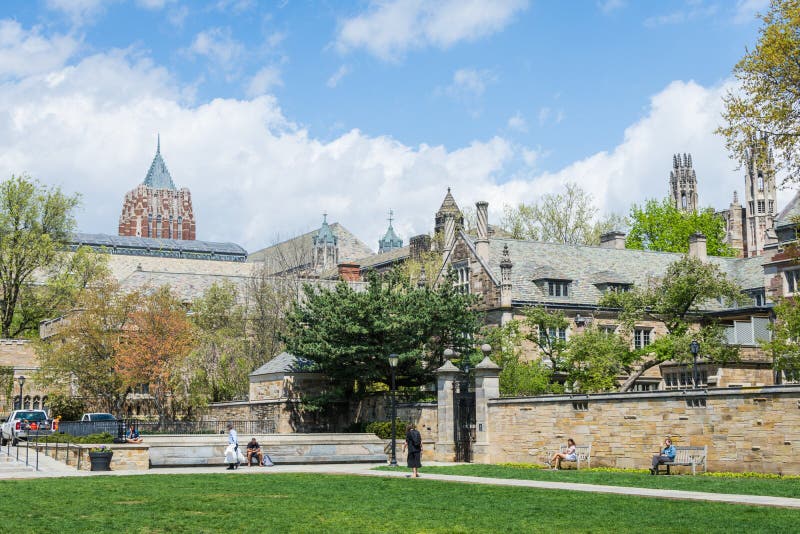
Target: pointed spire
column 158, row 143
column 390, row 240
column 158, row 176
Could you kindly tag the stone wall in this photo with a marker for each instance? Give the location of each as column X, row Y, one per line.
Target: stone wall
column 285, row 415
column 127, row 456
column 20, row 355
column 747, row 429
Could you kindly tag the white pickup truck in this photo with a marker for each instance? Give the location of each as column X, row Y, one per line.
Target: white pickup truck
column 24, row 423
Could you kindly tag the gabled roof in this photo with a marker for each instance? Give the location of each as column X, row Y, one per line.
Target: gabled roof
column 297, row 252
column 790, row 214
column 588, row 267
column 285, row 363
column 158, row 176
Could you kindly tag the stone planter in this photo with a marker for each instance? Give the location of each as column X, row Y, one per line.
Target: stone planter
column 101, row 461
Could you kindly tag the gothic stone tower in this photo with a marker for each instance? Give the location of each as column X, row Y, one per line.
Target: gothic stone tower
column 683, row 183
column 760, row 197
column 156, row 208
column 325, row 254
column 448, row 211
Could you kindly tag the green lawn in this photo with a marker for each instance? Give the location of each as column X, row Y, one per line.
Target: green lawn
column 777, row 487
column 327, row 503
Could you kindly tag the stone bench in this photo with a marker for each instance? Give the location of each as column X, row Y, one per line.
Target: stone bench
column 687, row 456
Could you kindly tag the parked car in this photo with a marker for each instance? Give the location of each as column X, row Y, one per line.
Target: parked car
column 22, row 423
column 97, row 417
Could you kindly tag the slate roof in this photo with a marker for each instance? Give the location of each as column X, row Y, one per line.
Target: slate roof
column 158, row 176
column 588, row 267
column 790, row 214
column 285, row 363
column 151, row 246
column 298, row 250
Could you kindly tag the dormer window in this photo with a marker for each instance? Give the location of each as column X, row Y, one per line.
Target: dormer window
column 558, row 288
column 616, row 288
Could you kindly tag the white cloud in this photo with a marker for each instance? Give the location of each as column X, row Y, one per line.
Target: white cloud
column 607, row 6
column 154, row 4
column 388, row 29
column 549, row 115
column 24, row 52
column 219, row 46
column 337, row 76
column 264, row 80
column 694, row 10
column 746, row 10
column 469, row 83
column 80, row 12
column 517, row 123
column 254, row 174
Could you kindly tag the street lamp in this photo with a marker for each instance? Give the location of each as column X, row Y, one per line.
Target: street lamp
column 21, row 381
column 694, row 348
column 393, row 359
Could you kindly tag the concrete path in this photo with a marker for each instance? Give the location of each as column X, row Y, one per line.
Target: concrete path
column 52, row 468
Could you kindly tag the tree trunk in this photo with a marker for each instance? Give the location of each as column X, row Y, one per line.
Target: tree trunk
column 631, row 380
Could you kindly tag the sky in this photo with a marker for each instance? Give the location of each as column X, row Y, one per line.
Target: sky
column 274, row 113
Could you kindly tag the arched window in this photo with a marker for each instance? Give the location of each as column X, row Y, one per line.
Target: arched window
column 683, row 200
column 760, row 182
column 26, row 404
column 36, row 402
column 16, row 403
column 44, row 402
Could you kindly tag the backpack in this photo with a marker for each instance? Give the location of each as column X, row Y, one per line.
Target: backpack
column 416, row 439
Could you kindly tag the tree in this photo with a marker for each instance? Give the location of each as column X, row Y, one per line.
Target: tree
column 568, row 217
column 267, row 300
column 518, row 378
column 35, row 223
column 662, row 227
column 154, row 348
column 83, row 355
column 595, row 358
column 766, row 103
column 784, row 346
column 349, row 333
column 547, row 329
column 676, row 301
column 220, row 359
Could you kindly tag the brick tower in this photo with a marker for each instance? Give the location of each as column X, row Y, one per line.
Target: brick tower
column 156, row 208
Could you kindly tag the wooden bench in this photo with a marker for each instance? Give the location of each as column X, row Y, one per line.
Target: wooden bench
column 583, row 454
column 687, row 456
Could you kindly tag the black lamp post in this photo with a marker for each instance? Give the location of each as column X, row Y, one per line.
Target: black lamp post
column 393, row 359
column 694, row 348
column 21, row 381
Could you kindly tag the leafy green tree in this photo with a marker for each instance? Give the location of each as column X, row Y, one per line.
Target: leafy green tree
column 349, row 333
column 518, row 378
column 676, row 300
column 84, row 354
column 766, row 102
column 35, row 223
column 660, row 226
column 220, row 360
column 66, row 407
column 568, row 217
column 547, row 330
column 595, row 358
column 784, row 346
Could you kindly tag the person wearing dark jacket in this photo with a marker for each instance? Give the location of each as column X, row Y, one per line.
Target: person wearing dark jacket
column 414, row 445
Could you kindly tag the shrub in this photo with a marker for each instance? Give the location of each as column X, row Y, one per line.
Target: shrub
column 65, row 407
column 102, row 437
column 383, row 429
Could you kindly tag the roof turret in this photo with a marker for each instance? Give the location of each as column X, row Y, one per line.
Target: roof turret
column 325, row 234
column 390, row 239
column 158, row 176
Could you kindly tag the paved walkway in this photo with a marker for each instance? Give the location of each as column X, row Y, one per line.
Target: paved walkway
column 52, row 468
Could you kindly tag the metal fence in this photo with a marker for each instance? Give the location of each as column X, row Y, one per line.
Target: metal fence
column 119, row 428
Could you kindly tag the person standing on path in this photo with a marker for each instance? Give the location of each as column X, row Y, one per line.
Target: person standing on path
column 414, row 445
column 233, row 439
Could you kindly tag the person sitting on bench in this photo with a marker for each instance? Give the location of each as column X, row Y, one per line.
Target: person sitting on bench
column 254, row 449
column 133, row 435
column 667, row 455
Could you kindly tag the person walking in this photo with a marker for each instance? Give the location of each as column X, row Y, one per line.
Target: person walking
column 414, row 445
column 667, row 454
column 233, row 445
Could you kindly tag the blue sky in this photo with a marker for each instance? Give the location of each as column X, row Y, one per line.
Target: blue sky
column 275, row 112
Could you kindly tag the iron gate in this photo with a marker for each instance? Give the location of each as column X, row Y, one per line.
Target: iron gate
column 464, row 432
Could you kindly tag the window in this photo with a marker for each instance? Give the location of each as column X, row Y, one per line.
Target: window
column 462, row 278
column 645, row 386
column 608, row 329
column 558, row 288
column 617, row 288
column 683, row 378
column 683, row 200
column 771, row 207
column 792, row 280
column 641, row 337
column 761, row 207
column 580, row 406
column 760, row 182
column 750, row 332
column 551, row 335
column 752, row 206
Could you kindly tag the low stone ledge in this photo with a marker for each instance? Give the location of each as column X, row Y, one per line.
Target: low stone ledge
column 127, row 456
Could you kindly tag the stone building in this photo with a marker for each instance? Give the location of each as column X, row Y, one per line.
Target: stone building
column 156, row 208
column 683, row 183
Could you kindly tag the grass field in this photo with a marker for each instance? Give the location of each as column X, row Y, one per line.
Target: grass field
column 776, row 487
column 329, row 503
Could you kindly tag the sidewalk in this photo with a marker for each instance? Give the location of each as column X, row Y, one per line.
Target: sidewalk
column 51, row 468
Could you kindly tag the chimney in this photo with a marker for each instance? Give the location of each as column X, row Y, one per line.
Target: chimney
column 697, row 246
column 349, row 272
column 613, row 239
column 482, row 243
column 418, row 245
column 505, row 287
